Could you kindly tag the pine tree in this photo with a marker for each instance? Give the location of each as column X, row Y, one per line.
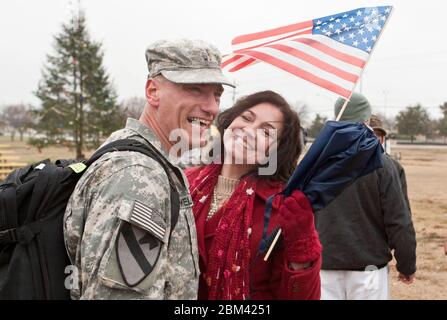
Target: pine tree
column 78, row 103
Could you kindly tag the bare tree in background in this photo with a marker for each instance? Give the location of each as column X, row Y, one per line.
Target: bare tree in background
column 302, row 110
column 133, row 107
column 442, row 126
column 389, row 123
column 2, row 124
column 17, row 118
column 316, row 126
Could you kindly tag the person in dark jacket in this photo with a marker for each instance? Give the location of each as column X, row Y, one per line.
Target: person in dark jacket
column 361, row 227
column 376, row 124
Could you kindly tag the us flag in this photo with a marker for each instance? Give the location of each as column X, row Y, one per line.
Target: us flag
column 330, row 52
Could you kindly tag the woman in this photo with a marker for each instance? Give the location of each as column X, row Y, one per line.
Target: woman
column 229, row 202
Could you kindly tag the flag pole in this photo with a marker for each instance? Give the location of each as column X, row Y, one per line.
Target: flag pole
column 337, row 119
column 363, row 69
column 272, row 245
column 343, row 108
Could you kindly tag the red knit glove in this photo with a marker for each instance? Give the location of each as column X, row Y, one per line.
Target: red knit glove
column 296, row 219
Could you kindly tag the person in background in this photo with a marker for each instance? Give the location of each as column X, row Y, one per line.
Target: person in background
column 360, row 228
column 376, row 124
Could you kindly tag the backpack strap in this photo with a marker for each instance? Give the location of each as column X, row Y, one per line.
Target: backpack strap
column 179, row 194
column 8, row 215
column 8, row 205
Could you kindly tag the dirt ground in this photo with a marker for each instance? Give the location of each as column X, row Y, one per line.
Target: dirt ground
column 426, row 170
column 28, row 154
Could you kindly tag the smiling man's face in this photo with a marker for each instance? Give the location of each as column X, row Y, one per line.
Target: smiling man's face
column 189, row 107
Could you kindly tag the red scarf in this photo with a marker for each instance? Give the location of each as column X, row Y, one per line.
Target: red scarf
column 227, row 271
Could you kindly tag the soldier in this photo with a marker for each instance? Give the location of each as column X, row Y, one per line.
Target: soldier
column 118, row 220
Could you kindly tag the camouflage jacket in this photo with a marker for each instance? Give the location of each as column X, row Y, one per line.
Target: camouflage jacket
column 117, row 226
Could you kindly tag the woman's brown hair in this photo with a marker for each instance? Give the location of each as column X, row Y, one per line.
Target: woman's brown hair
column 289, row 145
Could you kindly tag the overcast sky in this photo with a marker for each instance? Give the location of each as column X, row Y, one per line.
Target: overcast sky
column 408, row 65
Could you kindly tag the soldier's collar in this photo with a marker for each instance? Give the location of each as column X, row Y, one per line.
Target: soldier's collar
column 147, row 134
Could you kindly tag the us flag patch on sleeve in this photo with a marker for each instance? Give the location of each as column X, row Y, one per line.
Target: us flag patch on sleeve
column 148, row 219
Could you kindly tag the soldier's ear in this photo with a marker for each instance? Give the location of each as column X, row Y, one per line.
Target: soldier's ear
column 153, row 92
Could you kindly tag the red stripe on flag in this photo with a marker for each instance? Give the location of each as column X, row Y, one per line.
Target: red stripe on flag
column 300, row 73
column 242, row 64
column 230, row 60
column 276, row 40
column 332, row 52
column 272, row 32
column 316, row 62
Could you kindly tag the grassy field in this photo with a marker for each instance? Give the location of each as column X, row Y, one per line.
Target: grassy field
column 426, row 170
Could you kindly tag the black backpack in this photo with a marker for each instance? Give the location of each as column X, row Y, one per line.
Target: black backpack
column 33, row 199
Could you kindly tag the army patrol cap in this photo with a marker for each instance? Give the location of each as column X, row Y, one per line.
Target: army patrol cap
column 376, row 124
column 357, row 110
column 185, row 61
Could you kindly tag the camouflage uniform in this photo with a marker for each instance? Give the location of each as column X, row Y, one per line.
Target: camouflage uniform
column 111, row 195
column 117, row 222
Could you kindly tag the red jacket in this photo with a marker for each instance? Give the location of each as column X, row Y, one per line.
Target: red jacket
column 271, row 279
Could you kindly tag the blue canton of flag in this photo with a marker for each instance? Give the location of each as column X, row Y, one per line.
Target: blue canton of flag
column 357, row 28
